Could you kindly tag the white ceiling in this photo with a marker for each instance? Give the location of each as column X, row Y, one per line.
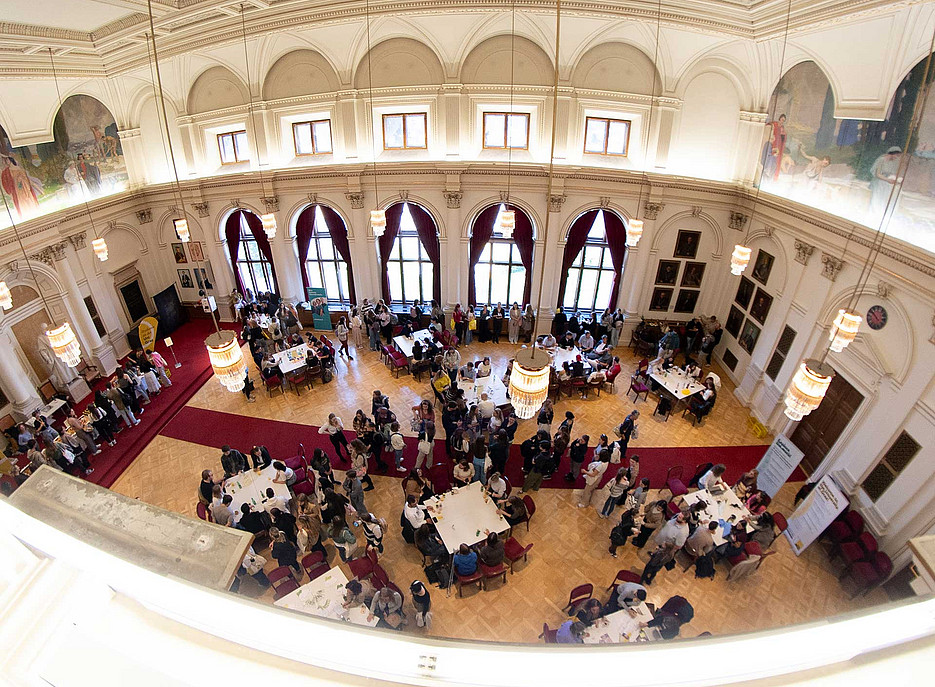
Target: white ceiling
column 78, row 15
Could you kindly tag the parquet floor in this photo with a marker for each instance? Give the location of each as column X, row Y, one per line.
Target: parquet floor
column 569, row 543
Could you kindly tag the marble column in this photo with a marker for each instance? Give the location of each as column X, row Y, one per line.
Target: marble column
column 14, row 379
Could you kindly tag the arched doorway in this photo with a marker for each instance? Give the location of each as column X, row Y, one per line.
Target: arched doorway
column 500, row 269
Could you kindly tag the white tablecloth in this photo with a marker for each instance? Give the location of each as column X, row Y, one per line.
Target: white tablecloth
column 569, row 355
column 620, row 627
column 48, row 410
column 465, row 516
column 324, row 597
column 492, row 384
column 404, row 343
column 720, row 507
column 291, row 359
column 677, row 383
column 250, row 487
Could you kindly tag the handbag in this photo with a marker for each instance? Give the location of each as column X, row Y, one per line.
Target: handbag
column 472, row 325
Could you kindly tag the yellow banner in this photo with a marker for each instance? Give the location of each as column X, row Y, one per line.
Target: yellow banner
column 148, row 333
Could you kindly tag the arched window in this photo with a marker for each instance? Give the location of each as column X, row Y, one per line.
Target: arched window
column 324, row 254
column 409, row 251
column 593, row 260
column 250, row 253
column 500, row 269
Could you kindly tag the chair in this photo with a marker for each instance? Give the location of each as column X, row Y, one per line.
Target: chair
column 779, row 520
column 744, row 568
column 47, row 391
column 204, row 513
column 513, row 551
column 673, row 508
column 399, row 362
column 493, row 572
column 363, row 567
column 674, row 481
column 578, row 595
column 313, row 561
column 638, row 387
column 89, row 372
column 860, row 549
column 273, row 382
column 509, row 487
column 283, row 582
column 299, row 377
column 379, row 579
column 305, row 487
column 385, row 354
column 300, row 475
column 624, row 576
column 869, row 574
column 597, row 385
column 643, row 366
column 530, row 508
column 847, row 528
column 477, row 577
column 548, row 636
column 610, row 379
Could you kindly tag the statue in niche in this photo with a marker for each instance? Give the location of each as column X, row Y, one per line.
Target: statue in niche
column 59, row 373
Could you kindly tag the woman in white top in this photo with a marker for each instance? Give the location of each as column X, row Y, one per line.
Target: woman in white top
column 483, row 368
column 516, row 321
column 711, row 480
column 357, row 328
column 592, row 479
column 334, row 428
column 496, row 487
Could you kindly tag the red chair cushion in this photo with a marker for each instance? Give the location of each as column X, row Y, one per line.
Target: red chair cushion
column 864, row 573
column 852, row 552
column 739, row 558
column 677, row 487
column 839, row 531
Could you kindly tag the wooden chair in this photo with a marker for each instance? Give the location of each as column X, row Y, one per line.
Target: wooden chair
column 610, row 379
column 493, row 572
column 283, row 582
column 203, row 512
column 530, row 509
column 513, row 551
column 674, row 481
column 869, row 574
column 299, row 377
column 313, row 561
column 379, row 578
column 624, row 576
column 88, row 372
column 548, row 636
column 779, row 520
column 578, row 596
column 273, row 383
column 477, row 577
column 47, row 392
column 638, row 387
column 363, row 567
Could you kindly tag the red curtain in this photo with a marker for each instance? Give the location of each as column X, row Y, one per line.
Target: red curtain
column 428, row 235
column 577, row 237
column 393, row 215
column 232, row 230
column 522, row 237
column 617, row 240
column 481, row 231
column 304, row 228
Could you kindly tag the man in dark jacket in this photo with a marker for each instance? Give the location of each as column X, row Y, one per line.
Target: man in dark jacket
column 233, row 461
column 253, row 522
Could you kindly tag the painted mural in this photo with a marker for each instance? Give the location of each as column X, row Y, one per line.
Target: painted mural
column 847, row 166
column 84, row 161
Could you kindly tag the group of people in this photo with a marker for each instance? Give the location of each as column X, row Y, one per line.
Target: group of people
column 608, row 323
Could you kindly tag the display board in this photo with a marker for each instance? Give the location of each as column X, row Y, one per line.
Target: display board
column 814, row 514
column 318, row 305
column 777, row 465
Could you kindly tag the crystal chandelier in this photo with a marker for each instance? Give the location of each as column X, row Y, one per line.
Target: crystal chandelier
column 844, row 329
column 634, row 232
column 65, row 344
column 507, row 223
column 6, row 298
column 181, row 230
column 227, row 359
column 529, row 381
column 808, row 388
column 100, row 248
column 269, row 224
column 378, row 222
column 739, row 259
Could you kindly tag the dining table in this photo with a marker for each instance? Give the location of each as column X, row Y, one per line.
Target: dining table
column 324, row 597
column 404, row 343
column 250, row 487
column 677, row 384
column 720, row 507
column 622, row 626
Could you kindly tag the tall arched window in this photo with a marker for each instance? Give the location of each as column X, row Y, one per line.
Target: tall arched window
column 324, row 254
column 250, row 252
column 593, row 260
column 500, row 268
column 409, row 251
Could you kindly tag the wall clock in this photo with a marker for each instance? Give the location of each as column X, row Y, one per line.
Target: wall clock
column 876, row 317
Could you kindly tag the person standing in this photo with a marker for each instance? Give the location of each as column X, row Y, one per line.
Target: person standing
column 662, row 556
column 334, row 428
column 342, row 332
column 83, row 436
column 627, row 428
column 422, row 602
column 516, row 321
column 592, row 479
column 577, row 452
column 617, row 488
column 623, row 530
column 285, row 552
column 544, row 418
column 397, row 443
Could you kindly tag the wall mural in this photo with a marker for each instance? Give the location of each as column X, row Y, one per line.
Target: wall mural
column 84, row 161
column 848, row 166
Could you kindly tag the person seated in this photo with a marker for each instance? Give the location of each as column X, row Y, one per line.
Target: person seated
column 692, row 370
column 429, row 543
column 272, row 501
column 548, row 342
column 513, row 510
column 463, row 472
column 485, row 406
column 564, row 372
column 567, row 341
column 570, row 632
column 387, row 606
column 757, row 502
column 496, row 486
column 483, row 368
column 734, row 546
column 601, row 361
column 417, row 354
column 358, row 593
column 586, row 342
column 270, row 368
column 413, row 512
column 254, row 522
column 491, row 553
column 465, row 561
column 761, row 530
column 591, row 611
column 602, row 346
column 614, row 369
column 746, row 485
column 577, row 367
column 712, row 481
column 467, row 372
column 406, row 330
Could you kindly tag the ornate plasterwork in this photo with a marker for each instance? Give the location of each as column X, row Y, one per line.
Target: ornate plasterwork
column 78, row 240
column 556, row 202
column 144, row 216
column 201, row 209
column 355, row 199
column 652, row 209
column 831, row 266
column 803, row 251
column 271, row 203
column 453, row 199
column 737, row 220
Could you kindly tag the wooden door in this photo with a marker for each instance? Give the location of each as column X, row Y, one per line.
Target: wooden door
column 819, row 430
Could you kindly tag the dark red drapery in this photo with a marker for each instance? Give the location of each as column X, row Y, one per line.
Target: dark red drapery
column 522, row 237
column 481, row 231
column 232, row 230
column 304, row 229
column 385, row 243
column 617, row 240
column 428, row 235
column 577, row 237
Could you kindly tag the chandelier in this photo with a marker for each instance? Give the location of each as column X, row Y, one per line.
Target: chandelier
column 808, row 388
column 100, row 248
column 65, row 344
column 181, row 229
column 844, row 329
column 529, row 381
column 739, row 259
column 6, row 298
column 507, row 223
column 378, row 220
column 227, row 359
column 634, row 231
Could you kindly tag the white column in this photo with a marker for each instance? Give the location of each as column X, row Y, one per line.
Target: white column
column 747, row 147
column 14, row 379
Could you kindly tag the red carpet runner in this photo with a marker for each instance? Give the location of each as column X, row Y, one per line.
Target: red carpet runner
column 282, row 440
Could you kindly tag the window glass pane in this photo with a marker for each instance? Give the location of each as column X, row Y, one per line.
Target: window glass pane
column 596, row 233
column 517, row 284
column 410, row 247
column 259, row 276
column 415, row 131
column 322, row 132
column 592, row 256
column 326, row 248
column 482, row 282
column 588, row 288
column 240, row 145
column 518, row 136
column 396, row 286
column 331, row 280
column 242, row 252
column 595, row 134
column 314, row 274
column 501, row 251
column 253, row 250
column 516, row 257
column 617, row 138
column 494, row 130
column 342, row 280
column 498, row 283
column 226, row 145
column 428, row 276
column 393, row 131
column 571, row 288
column 245, row 277
column 485, row 254
column 394, row 254
column 303, row 139
column 603, row 290
column 608, row 263
column 411, row 282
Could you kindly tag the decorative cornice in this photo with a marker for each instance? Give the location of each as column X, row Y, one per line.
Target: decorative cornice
column 831, row 266
column 356, row 200
column 652, row 209
column 78, row 240
column 556, row 202
column 803, row 251
column 453, row 199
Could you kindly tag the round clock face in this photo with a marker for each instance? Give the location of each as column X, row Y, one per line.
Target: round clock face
column 876, row 317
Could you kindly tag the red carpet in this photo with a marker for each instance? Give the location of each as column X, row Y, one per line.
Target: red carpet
column 282, row 440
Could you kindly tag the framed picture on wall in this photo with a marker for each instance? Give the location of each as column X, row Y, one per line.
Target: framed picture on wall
column 763, row 266
column 761, row 305
column 185, row 279
column 178, row 250
column 197, row 251
column 661, row 299
column 692, row 274
column 686, row 245
column 748, row 336
column 686, row 301
column 744, row 292
column 734, row 320
column 668, row 272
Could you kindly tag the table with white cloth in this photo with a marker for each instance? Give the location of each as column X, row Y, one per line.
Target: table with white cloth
column 569, row 355
column 677, row 384
column 404, row 343
column 250, row 487
column 465, row 515
column 491, row 384
column 720, row 507
column 621, row 626
column 48, row 410
column 291, row 359
column 324, row 597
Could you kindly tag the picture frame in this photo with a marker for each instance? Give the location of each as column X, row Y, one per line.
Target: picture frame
column 667, row 273
column 759, row 309
column 744, row 292
column 763, row 266
column 661, row 299
column 686, row 301
column 686, row 245
column 749, row 336
column 734, row 320
column 185, row 279
column 178, row 251
column 197, row 251
column 692, row 275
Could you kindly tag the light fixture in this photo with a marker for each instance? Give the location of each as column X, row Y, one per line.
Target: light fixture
column 529, row 381
column 634, row 231
column 181, row 230
column 377, row 216
column 844, row 330
column 6, row 298
column 227, row 359
column 269, row 224
column 507, row 223
column 100, row 248
column 808, row 388
column 739, row 259
column 64, row 344
column 378, row 222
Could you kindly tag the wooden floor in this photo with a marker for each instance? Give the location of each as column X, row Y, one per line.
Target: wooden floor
column 570, row 544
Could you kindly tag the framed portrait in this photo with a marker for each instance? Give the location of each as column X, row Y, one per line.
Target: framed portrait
column 762, row 302
column 734, row 320
column 686, row 245
column 692, row 274
column 185, row 279
column 661, row 299
column 763, row 266
column 178, row 250
column 197, row 251
column 744, row 292
column 748, row 336
column 668, row 272
column 686, row 300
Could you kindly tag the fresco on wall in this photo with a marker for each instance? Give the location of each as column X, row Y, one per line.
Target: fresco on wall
column 84, row 161
column 848, row 166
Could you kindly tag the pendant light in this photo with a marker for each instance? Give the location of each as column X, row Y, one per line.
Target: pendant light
column 268, row 219
column 807, row 389
column 6, row 298
column 506, row 219
column 224, row 351
column 378, row 214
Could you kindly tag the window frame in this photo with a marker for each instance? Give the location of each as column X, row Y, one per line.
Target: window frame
column 426, row 288
column 233, row 136
column 883, row 465
column 404, row 116
column 246, row 236
column 506, row 130
column 608, row 120
column 343, row 300
column 496, row 238
column 311, row 124
column 604, row 244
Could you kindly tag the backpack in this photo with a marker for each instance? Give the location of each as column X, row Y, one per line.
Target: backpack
column 394, row 320
column 663, row 407
column 704, row 567
column 326, row 374
column 619, row 535
column 438, row 573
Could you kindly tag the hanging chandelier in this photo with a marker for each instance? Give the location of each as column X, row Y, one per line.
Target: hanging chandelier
column 844, row 329
column 6, row 298
column 269, row 224
column 507, row 223
column 64, row 344
column 808, row 388
column 634, row 232
column 378, row 221
column 100, row 248
column 181, row 230
column 739, row 259
column 529, row 381
column 227, row 359
column 378, row 215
